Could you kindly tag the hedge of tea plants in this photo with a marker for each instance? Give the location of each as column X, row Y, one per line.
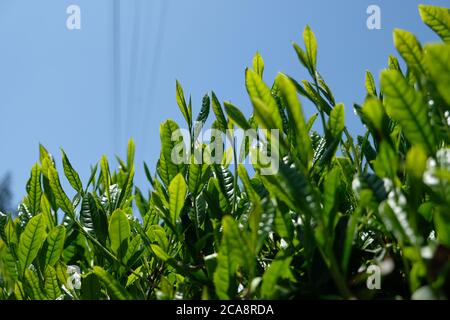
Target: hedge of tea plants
column 343, row 217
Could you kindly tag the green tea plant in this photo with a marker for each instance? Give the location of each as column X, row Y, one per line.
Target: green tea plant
column 339, row 211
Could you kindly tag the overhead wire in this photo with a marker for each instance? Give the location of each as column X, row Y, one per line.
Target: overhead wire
column 154, row 68
column 135, row 61
column 117, row 127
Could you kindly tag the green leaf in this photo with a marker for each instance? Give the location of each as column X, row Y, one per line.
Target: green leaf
column 55, row 241
column 119, row 232
column 46, row 209
column 106, row 176
column 386, row 163
column 266, row 109
column 167, row 129
column 438, row 19
column 133, row 250
column 374, row 112
column 293, row 188
column 195, row 176
column 61, row 272
column 258, row 64
column 177, row 195
column 370, row 84
column 148, row 174
column 166, row 171
column 283, row 223
column 311, row 121
column 204, row 111
column 62, row 201
column 411, row 51
column 182, row 104
column 308, row 90
column 235, row 240
column 157, row 234
column 32, row 283
column 396, row 220
column 31, row 241
column 71, row 175
column 8, row 264
column 437, row 57
column 3, row 221
column 311, row 47
column 350, row 233
column 416, row 162
column 202, row 116
column 325, row 89
column 375, row 184
column 296, row 117
column 52, row 288
column 90, row 287
column 131, row 149
column 92, row 175
column 301, row 54
column 133, row 277
column 236, row 115
column 405, row 105
column 160, row 253
column 11, row 232
column 265, row 116
column 260, row 221
column 220, row 116
column 251, row 193
column 126, row 189
column 442, row 221
column 190, row 111
column 43, row 154
column 330, row 195
column 35, row 190
column 115, row 289
column 225, row 185
column 336, row 122
column 92, row 219
column 233, row 253
column 278, row 269
column 225, row 273
column 393, row 63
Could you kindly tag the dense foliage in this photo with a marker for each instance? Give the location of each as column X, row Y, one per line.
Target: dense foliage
column 336, row 207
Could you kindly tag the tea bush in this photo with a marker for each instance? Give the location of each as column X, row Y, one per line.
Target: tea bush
column 339, row 211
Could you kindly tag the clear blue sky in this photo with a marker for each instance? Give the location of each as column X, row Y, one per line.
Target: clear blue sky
column 57, row 86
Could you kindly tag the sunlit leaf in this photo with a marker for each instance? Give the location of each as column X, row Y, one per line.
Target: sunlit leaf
column 71, row 175
column 406, row 106
column 31, row 240
column 438, row 19
column 177, row 194
column 258, row 64
column 437, row 59
column 410, row 49
column 35, row 191
column 52, row 288
column 119, row 232
column 115, row 289
column 181, row 101
column 55, row 245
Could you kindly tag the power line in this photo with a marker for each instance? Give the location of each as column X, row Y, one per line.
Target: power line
column 154, row 67
column 117, row 127
column 134, row 62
